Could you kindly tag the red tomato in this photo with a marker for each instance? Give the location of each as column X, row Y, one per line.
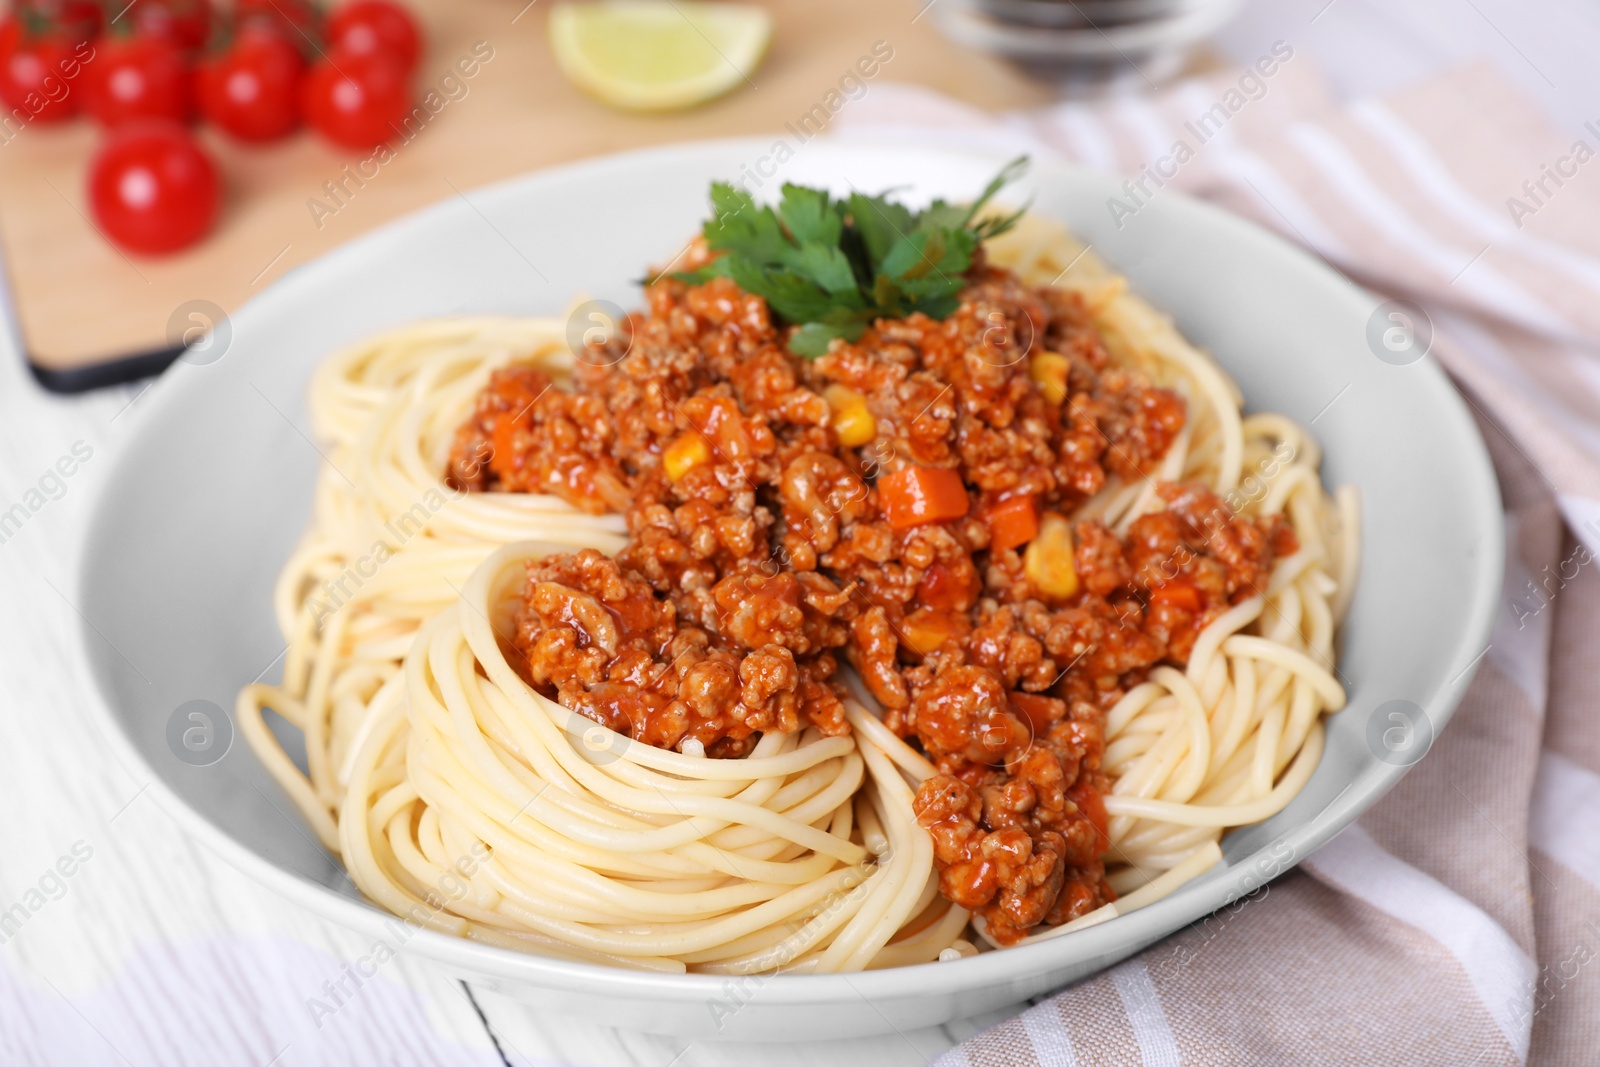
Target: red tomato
column 298, row 20
column 152, row 188
column 76, row 20
column 187, row 23
column 138, row 77
column 250, row 90
column 364, row 27
column 1013, row 522
column 37, row 72
column 1039, row 711
column 947, row 589
column 355, row 101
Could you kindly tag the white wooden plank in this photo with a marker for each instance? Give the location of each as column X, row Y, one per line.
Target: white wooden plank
column 152, row 951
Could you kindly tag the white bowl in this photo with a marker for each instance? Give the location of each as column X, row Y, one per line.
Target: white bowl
column 214, row 489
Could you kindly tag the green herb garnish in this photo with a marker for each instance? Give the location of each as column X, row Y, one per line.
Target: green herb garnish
column 832, row 267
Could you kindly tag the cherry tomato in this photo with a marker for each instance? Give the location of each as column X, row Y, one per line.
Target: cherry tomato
column 187, row 23
column 76, row 20
column 37, row 71
column 138, row 77
column 251, row 89
column 363, row 27
column 298, row 20
column 355, row 101
column 152, row 188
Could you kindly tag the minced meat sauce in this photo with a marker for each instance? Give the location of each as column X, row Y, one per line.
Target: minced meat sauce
column 897, row 505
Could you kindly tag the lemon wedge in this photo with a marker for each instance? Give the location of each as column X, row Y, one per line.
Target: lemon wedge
column 658, row 55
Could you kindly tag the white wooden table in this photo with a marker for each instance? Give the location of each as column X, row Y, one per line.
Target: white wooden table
column 154, row 952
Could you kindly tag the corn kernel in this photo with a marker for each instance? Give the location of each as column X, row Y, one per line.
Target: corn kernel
column 851, row 421
column 925, row 630
column 1048, row 560
column 683, row 455
column 1049, row 372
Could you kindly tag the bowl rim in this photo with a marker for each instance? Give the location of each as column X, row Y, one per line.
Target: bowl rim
column 1187, row 904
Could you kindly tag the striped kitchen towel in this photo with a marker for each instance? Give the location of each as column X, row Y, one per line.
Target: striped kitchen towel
column 1459, row 921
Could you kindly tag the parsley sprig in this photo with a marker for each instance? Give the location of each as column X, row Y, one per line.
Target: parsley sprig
column 833, row 266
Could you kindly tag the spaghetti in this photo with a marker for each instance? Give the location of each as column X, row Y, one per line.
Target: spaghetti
column 438, row 727
column 1229, row 740
column 390, row 543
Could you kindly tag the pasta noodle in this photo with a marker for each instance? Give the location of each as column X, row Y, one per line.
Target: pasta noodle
column 390, row 543
column 460, row 797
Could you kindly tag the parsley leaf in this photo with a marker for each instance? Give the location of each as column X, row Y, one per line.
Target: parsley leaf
column 830, row 267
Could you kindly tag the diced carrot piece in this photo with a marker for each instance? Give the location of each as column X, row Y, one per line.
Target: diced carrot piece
column 1012, row 522
column 503, row 456
column 1180, row 593
column 912, row 496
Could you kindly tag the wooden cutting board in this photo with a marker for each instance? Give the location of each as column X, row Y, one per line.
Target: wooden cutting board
column 91, row 315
